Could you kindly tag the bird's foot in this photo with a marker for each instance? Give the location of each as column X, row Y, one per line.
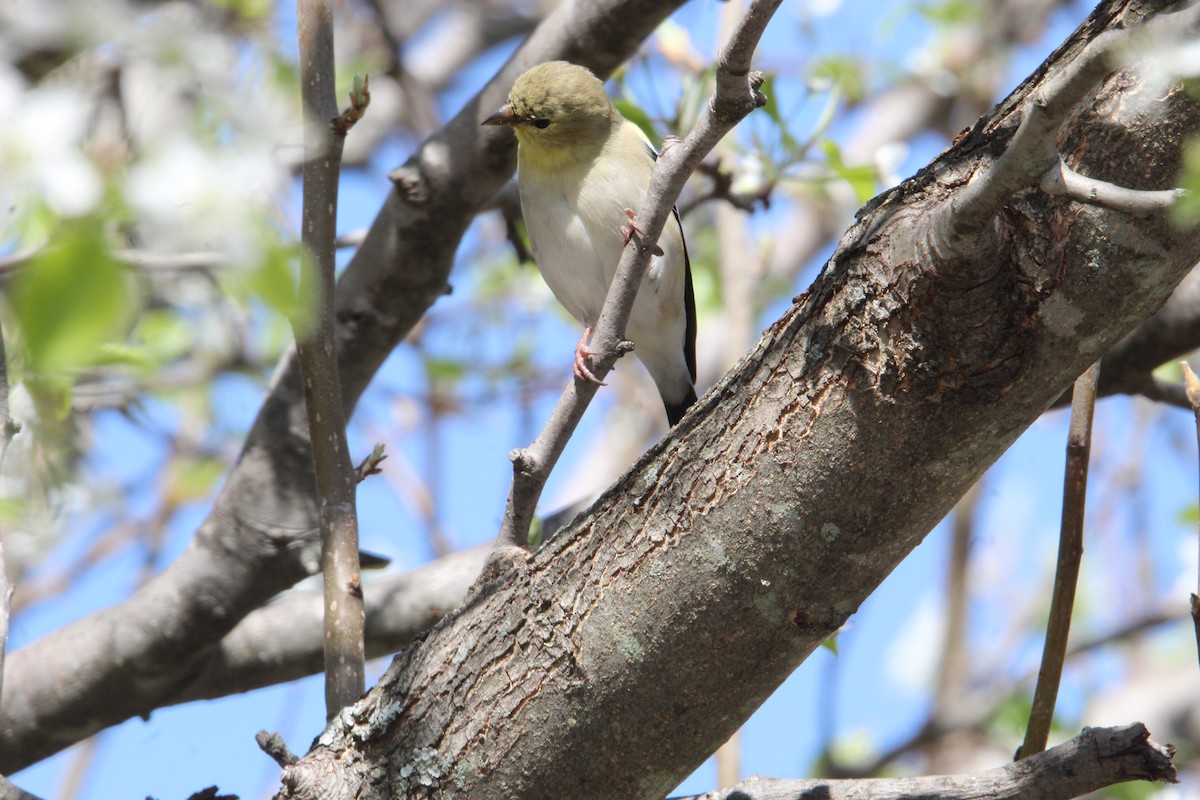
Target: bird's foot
column 582, row 356
column 630, row 230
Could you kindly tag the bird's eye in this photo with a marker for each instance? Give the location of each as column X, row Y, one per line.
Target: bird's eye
column 541, row 123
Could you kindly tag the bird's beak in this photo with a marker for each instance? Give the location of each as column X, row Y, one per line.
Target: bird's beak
column 504, row 116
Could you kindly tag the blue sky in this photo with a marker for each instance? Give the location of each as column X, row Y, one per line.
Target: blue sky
column 180, row 750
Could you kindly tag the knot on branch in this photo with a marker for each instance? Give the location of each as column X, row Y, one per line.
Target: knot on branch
column 523, row 461
column 756, row 80
column 271, row 743
column 410, row 184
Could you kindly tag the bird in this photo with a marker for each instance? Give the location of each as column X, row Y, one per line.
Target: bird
column 581, row 168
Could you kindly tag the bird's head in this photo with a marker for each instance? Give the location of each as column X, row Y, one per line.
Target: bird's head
column 560, row 113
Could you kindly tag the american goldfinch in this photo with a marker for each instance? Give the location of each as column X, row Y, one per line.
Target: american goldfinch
column 581, row 167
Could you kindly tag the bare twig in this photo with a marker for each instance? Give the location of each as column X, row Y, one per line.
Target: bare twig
column 258, row 538
column 1192, row 384
column 146, row 260
column 736, row 96
column 729, row 761
column 399, row 608
column 271, row 743
column 317, row 351
column 1032, row 151
column 1061, row 179
column 954, row 667
column 1096, row 758
column 721, row 188
column 1070, row 551
column 981, row 705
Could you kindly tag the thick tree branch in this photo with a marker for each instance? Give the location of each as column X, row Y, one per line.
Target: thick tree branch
column 1032, row 151
column 261, row 536
column 696, row 584
column 736, row 96
column 1095, row 759
column 1173, row 332
column 282, row 641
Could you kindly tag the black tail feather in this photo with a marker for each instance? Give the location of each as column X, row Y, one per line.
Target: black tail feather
column 675, row 411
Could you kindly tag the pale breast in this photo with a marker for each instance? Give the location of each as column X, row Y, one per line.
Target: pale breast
column 574, row 224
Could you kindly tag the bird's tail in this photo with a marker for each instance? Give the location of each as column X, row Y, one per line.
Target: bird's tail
column 675, row 411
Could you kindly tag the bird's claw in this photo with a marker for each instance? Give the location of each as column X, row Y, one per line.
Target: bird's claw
column 582, row 356
column 581, row 369
column 629, row 230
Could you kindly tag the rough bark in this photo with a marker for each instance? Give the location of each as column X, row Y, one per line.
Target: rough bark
column 261, row 535
column 614, row 660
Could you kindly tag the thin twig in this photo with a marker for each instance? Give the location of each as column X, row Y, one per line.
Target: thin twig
column 271, row 743
column 1192, row 387
column 729, row 761
column 736, row 96
column 954, row 667
column 981, row 705
column 316, row 348
column 1094, row 759
column 1061, row 179
column 1032, row 151
column 1066, row 575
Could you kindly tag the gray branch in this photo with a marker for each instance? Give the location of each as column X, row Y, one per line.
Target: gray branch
column 282, row 642
column 1061, row 179
column 261, row 536
column 1095, row 759
column 964, row 225
column 1172, row 333
column 696, row 585
column 736, row 96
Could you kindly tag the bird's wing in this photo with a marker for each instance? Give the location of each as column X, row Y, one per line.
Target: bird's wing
column 689, row 295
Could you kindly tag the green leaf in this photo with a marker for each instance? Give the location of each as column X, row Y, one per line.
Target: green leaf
column 112, row 353
column 71, row 300
column 12, row 509
column 192, row 480
column 247, row 9
column 536, row 532
column 1186, row 210
column 771, row 109
column 831, row 644
column 862, row 179
column 634, row 113
column 843, row 72
column 276, row 281
column 951, row 12
column 51, row 396
column 164, row 336
column 444, row 370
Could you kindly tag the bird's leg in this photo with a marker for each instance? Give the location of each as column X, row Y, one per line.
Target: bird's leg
column 629, row 230
column 582, row 356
